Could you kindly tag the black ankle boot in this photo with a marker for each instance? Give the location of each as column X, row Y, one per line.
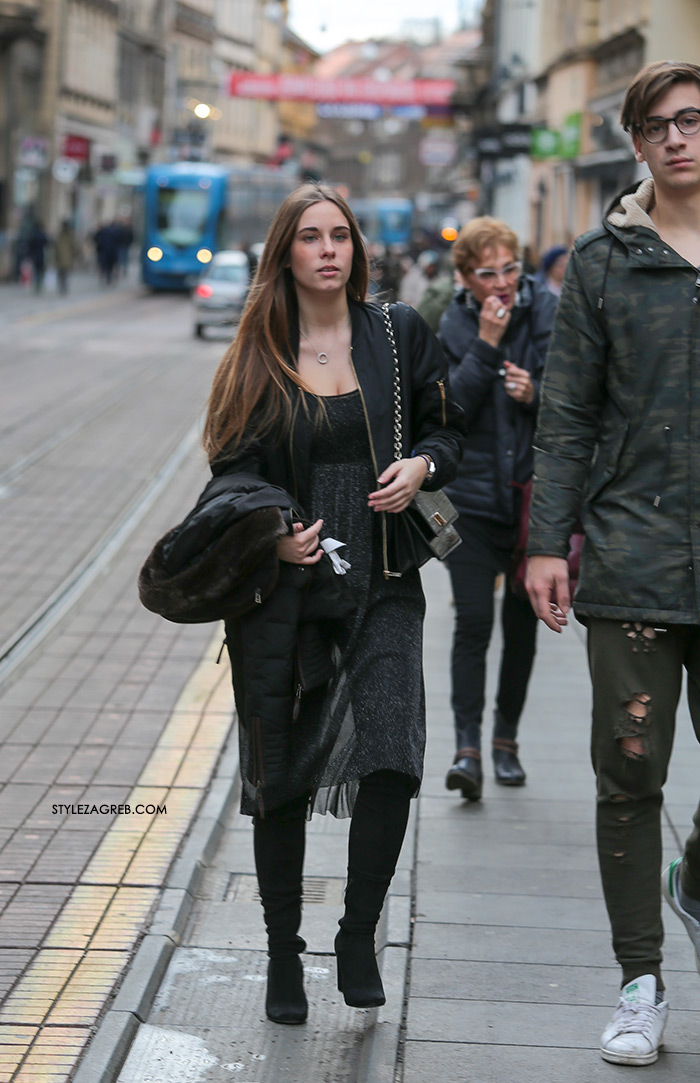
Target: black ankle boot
column 465, row 774
column 507, row 767
column 286, row 1000
column 359, row 979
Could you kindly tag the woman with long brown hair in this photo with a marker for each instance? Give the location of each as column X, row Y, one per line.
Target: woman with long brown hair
column 303, row 403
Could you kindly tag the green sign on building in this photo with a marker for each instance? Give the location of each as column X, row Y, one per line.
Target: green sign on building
column 564, row 143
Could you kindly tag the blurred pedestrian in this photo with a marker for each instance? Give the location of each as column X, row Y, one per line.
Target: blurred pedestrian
column 37, row 243
column 617, row 444
column 393, row 273
column 64, row 254
column 552, row 268
column 106, row 240
column 299, row 404
column 376, row 253
column 21, row 260
column 418, row 278
column 124, row 240
column 436, row 298
column 495, row 334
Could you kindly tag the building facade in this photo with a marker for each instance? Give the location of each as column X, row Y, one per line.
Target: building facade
column 96, row 89
column 557, row 76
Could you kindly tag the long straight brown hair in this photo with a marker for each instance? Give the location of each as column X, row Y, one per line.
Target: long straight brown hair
column 251, row 390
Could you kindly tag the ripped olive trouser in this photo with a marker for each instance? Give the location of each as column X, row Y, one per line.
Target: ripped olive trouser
column 636, row 670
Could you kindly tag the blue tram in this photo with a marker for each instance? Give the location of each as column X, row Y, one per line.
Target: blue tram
column 194, row 209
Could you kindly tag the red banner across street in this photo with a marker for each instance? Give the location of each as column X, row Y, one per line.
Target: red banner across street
column 308, row 88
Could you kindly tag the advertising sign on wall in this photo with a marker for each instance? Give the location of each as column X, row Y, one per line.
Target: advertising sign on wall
column 309, row 88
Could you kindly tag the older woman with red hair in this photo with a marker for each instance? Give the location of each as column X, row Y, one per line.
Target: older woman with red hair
column 495, row 334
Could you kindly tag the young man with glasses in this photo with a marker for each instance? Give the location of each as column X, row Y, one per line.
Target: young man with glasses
column 495, row 334
column 618, row 443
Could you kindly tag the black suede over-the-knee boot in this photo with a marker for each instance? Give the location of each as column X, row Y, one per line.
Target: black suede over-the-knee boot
column 376, row 835
column 278, row 841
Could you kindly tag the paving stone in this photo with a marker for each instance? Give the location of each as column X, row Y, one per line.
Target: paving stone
column 574, row 1026
column 13, row 755
column 12, row 962
column 43, row 762
column 20, row 853
column 30, row 914
column 494, row 1063
column 17, row 802
column 65, row 856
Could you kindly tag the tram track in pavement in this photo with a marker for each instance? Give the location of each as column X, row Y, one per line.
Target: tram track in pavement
column 115, row 397
column 19, row 645
column 63, row 421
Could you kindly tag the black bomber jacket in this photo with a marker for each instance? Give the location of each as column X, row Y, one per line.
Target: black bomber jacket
column 431, row 421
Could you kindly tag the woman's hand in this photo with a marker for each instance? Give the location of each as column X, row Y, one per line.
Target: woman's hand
column 492, row 326
column 302, row 546
column 518, row 383
column 401, row 482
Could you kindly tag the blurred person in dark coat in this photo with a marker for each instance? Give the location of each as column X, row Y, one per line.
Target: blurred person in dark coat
column 37, row 243
column 64, row 254
column 106, row 240
column 552, row 268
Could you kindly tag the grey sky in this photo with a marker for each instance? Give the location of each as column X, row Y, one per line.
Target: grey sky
column 327, row 23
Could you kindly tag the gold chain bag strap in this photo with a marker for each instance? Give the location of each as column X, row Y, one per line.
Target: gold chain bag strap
column 424, row 529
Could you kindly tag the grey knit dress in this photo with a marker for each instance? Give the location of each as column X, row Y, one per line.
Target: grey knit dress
column 371, row 717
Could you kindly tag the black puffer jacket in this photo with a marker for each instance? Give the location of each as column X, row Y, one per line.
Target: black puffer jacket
column 498, row 449
column 221, row 563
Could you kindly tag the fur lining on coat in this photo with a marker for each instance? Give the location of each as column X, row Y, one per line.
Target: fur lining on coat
column 226, row 579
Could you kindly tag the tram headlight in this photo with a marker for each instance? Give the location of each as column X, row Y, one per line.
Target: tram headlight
column 204, row 255
column 154, row 253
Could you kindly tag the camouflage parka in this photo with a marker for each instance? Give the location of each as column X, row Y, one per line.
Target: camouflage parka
column 618, row 436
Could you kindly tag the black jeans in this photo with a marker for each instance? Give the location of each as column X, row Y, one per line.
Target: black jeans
column 486, row 552
column 637, row 671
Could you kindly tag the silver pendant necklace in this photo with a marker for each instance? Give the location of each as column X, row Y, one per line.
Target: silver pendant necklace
column 321, row 355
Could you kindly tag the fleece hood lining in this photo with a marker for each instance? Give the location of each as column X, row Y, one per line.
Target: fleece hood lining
column 633, row 209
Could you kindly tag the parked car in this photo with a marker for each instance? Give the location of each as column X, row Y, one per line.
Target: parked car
column 221, row 293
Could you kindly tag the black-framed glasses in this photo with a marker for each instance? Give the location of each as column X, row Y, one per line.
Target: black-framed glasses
column 490, row 274
column 655, row 129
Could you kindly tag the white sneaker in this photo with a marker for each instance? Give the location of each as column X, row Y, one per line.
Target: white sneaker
column 669, row 888
column 634, row 1033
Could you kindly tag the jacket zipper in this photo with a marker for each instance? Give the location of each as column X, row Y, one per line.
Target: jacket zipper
column 667, row 455
column 298, row 684
column 441, row 385
column 291, row 447
column 385, row 549
column 258, row 773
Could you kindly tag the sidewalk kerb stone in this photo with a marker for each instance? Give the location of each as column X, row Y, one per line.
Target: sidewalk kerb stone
column 106, row 1053
column 144, row 976
column 172, row 914
column 380, row 1044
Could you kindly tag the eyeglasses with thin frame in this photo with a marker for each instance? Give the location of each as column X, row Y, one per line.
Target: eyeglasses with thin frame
column 487, row 275
column 655, row 129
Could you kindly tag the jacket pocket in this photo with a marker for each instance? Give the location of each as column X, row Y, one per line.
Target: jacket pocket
column 666, row 465
column 611, row 444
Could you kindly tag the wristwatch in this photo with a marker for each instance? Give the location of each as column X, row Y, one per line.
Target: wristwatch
column 431, row 466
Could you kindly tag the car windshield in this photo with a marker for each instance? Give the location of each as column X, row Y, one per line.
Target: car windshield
column 228, row 272
column 182, row 215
